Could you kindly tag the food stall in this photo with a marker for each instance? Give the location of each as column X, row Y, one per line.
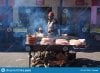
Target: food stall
column 52, row 52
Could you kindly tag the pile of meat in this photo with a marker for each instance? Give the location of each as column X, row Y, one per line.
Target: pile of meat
column 50, row 41
column 31, row 40
column 47, row 41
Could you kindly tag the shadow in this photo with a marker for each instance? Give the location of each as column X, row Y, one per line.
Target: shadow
column 83, row 62
column 89, row 49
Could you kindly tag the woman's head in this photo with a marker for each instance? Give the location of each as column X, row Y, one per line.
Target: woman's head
column 50, row 15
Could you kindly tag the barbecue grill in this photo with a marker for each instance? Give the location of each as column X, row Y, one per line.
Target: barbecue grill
column 33, row 45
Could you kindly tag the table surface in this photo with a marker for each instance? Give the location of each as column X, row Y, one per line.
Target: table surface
column 38, row 47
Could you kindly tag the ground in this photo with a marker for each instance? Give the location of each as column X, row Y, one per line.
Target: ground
column 83, row 59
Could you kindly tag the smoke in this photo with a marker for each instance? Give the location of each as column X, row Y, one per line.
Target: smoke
column 19, row 2
column 83, row 14
column 37, row 19
column 67, row 12
column 36, row 15
column 75, row 20
column 24, row 3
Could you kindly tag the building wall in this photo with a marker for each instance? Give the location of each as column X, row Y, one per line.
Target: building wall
column 54, row 4
column 93, row 14
column 48, row 3
column 98, row 17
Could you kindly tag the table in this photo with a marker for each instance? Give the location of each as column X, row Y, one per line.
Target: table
column 70, row 49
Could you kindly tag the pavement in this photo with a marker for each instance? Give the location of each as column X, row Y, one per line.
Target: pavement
column 83, row 59
column 14, row 59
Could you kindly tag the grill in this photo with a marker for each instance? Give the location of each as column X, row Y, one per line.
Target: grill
column 51, row 55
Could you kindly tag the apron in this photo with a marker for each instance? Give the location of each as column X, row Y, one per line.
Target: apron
column 53, row 28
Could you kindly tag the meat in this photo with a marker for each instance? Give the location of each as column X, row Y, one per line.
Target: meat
column 78, row 42
column 47, row 41
column 50, row 41
column 82, row 40
column 30, row 39
column 61, row 42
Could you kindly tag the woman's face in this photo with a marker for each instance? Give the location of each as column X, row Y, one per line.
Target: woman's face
column 50, row 17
